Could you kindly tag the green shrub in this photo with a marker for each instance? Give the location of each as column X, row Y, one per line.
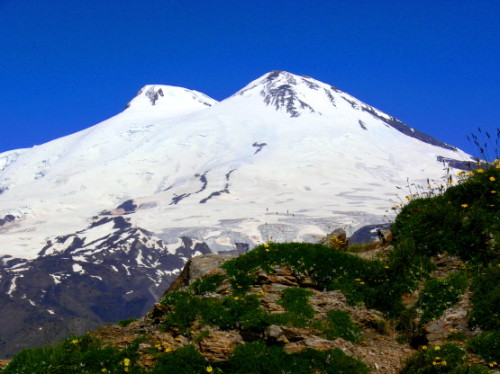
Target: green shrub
column 242, row 312
column 487, row 345
column 185, row 360
column 257, row 358
column 126, row 322
column 373, row 282
column 473, row 369
column 298, row 311
column 207, row 284
column 486, row 298
column 435, row 359
column 340, row 325
column 183, row 310
column 235, row 312
column 463, row 221
column 440, row 294
column 82, row 354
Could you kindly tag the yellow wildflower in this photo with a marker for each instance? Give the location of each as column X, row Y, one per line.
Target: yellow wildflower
column 357, row 279
column 443, row 363
column 493, row 191
column 209, row 369
column 236, row 297
column 437, row 348
column 386, row 267
column 424, row 347
column 361, row 282
column 480, row 170
column 104, row 370
column 461, row 172
column 498, row 166
column 168, row 349
column 492, row 179
column 266, row 245
column 465, row 205
column 74, row 341
column 126, row 362
column 178, row 339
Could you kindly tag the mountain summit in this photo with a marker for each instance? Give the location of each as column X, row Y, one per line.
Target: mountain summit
column 169, row 100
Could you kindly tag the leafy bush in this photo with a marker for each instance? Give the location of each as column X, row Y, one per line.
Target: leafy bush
column 298, row 311
column 82, row 354
column 473, row 369
column 435, row 359
column 242, row 312
column 487, row 345
column 185, row 360
column 183, row 310
column 126, row 322
column 257, row 358
column 340, row 325
column 440, row 294
column 463, row 221
column 486, row 298
column 207, row 284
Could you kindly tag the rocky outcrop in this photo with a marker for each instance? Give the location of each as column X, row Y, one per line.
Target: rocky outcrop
column 378, row 348
column 337, row 239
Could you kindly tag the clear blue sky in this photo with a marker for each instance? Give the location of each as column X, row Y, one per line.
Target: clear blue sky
column 68, row 64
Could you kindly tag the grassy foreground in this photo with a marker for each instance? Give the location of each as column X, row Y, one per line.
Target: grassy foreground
column 460, row 222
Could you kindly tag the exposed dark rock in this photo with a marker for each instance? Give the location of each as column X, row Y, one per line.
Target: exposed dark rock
column 457, row 164
column 128, row 206
column 367, row 234
column 259, row 147
column 8, row 218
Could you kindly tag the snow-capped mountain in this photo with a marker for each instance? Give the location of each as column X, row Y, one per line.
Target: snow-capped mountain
column 287, row 157
column 220, row 171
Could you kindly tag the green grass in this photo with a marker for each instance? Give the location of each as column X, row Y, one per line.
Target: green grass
column 126, row 322
column 435, row 359
column 206, row 284
column 340, row 325
column 487, row 345
column 372, row 282
column 82, row 354
column 258, row 358
column 463, row 221
column 486, row 297
column 440, row 294
column 242, row 312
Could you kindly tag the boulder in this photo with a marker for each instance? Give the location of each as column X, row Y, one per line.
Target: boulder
column 337, row 239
